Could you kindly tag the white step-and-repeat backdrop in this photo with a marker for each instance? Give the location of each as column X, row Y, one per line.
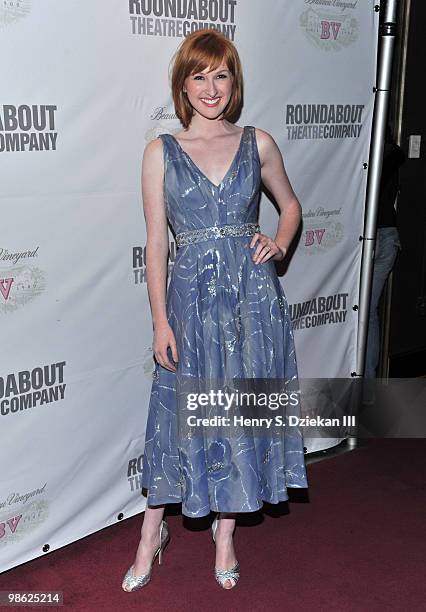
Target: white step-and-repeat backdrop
column 84, row 87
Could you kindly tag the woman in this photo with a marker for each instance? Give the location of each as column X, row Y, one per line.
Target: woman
column 224, row 315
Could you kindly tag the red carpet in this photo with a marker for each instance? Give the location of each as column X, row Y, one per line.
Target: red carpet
column 357, row 545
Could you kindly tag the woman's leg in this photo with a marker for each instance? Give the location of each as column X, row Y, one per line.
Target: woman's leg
column 150, row 539
column 225, row 553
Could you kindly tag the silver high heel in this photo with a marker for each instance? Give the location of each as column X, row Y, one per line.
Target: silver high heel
column 227, row 574
column 132, row 582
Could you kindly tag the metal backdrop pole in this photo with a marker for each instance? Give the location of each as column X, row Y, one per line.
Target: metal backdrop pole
column 384, row 73
column 387, row 39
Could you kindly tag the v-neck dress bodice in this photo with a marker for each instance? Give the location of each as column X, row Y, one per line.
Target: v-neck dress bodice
column 193, row 201
column 230, row 320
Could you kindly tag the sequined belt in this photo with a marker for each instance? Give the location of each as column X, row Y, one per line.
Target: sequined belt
column 216, row 231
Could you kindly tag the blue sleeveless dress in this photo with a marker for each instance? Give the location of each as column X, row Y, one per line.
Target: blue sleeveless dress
column 231, row 320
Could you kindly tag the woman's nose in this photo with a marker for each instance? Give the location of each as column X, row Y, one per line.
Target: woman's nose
column 211, row 89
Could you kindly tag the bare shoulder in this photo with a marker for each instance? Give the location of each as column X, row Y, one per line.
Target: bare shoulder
column 266, row 144
column 153, row 160
column 264, row 139
column 153, row 150
column 153, row 165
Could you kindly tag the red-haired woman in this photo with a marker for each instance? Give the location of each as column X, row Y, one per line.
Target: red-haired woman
column 224, row 316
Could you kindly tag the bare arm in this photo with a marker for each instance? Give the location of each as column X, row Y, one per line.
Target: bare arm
column 157, row 248
column 276, row 180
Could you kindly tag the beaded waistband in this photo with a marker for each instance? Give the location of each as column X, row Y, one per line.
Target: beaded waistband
column 216, row 231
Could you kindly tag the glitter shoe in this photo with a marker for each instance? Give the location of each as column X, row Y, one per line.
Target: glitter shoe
column 132, row 582
column 222, row 576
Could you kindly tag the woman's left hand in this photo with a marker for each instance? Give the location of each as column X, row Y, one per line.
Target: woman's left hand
column 267, row 248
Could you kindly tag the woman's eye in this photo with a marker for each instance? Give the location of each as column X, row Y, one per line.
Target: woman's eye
column 197, row 77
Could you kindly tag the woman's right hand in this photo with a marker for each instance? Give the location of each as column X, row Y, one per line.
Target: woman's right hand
column 164, row 338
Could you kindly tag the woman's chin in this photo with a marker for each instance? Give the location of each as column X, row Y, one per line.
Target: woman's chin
column 210, row 113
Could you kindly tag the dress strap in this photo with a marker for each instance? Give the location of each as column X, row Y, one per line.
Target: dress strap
column 166, row 143
column 255, row 151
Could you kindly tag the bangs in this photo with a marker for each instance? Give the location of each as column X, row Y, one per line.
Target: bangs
column 209, row 53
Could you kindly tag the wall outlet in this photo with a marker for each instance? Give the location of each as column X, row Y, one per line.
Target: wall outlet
column 414, row 145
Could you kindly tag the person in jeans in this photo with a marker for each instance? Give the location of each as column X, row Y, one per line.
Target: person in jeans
column 387, row 245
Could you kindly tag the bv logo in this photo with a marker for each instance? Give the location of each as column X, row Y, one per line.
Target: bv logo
column 319, row 240
column 314, row 236
column 329, row 29
column 9, row 525
column 19, row 285
column 5, row 286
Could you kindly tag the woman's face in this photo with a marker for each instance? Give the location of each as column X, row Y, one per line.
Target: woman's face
column 209, row 92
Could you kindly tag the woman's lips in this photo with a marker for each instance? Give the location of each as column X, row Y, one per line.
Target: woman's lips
column 211, row 102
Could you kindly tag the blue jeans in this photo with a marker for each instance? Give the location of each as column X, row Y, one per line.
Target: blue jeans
column 387, row 245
